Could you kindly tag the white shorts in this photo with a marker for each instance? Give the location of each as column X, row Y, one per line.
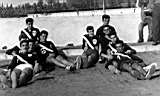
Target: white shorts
column 23, row 66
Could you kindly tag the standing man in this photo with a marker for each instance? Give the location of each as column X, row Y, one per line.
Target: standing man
column 156, row 21
column 30, row 32
column 146, row 19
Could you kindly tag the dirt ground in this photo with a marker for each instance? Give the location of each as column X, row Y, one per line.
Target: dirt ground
column 96, row 81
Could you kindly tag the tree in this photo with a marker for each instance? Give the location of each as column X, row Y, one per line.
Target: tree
column 40, row 5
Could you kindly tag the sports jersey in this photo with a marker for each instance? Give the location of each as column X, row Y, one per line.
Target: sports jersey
column 30, row 58
column 33, row 34
column 46, row 48
column 100, row 32
column 92, row 40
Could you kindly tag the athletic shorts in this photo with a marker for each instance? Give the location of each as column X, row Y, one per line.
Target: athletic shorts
column 23, row 66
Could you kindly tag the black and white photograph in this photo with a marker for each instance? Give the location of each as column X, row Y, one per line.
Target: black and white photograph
column 79, row 47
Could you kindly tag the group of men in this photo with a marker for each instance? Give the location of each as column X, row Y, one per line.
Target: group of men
column 117, row 56
column 36, row 52
column 33, row 55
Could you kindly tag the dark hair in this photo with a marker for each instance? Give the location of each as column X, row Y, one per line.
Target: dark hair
column 105, row 16
column 23, row 41
column 89, row 28
column 44, row 32
column 29, row 20
column 119, row 42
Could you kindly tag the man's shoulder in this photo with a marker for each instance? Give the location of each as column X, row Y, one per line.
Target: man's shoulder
column 110, row 26
column 49, row 42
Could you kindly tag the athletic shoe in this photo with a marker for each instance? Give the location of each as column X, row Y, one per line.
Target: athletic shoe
column 149, row 66
column 155, row 43
column 71, row 68
column 150, row 72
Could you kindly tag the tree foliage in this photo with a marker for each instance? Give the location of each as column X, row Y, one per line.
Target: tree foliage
column 49, row 6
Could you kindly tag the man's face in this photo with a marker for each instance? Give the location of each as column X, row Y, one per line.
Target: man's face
column 91, row 33
column 106, row 21
column 31, row 45
column 106, row 30
column 24, row 47
column 29, row 25
column 43, row 37
column 119, row 47
column 113, row 39
column 34, row 33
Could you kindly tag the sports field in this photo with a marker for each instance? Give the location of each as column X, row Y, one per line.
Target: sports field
column 96, row 81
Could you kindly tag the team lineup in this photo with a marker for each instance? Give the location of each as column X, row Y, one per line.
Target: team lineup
column 35, row 51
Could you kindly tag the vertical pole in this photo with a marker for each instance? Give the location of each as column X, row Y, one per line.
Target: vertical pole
column 104, row 7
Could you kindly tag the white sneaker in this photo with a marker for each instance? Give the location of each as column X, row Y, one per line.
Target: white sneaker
column 151, row 70
column 149, row 66
column 67, row 68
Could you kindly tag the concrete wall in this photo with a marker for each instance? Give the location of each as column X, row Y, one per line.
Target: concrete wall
column 68, row 27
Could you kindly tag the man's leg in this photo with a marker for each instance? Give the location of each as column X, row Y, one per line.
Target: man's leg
column 150, row 37
column 52, row 60
column 139, row 68
column 93, row 58
column 140, row 30
column 133, row 72
column 156, row 23
column 84, row 58
column 14, row 77
column 64, row 61
column 25, row 76
column 79, row 62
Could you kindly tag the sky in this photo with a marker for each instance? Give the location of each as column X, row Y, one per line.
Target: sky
column 16, row 2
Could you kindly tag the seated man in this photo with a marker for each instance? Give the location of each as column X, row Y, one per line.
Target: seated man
column 21, row 66
column 124, row 55
column 90, row 46
column 100, row 33
column 33, row 50
column 30, row 32
column 110, row 62
column 49, row 54
column 105, row 39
